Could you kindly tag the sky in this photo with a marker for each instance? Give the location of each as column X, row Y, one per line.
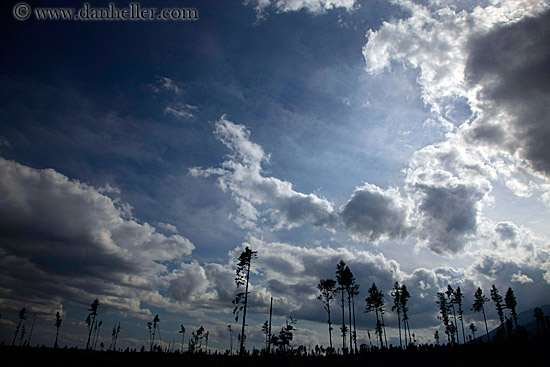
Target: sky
column 408, row 138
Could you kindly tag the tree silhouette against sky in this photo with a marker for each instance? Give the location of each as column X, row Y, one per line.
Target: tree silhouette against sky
column 511, row 304
column 182, row 332
column 497, row 299
column 375, row 302
column 451, row 295
column 22, row 316
column 90, row 320
column 327, row 289
column 444, row 311
column 58, row 321
column 350, row 283
column 404, row 298
column 241, row 298
column 354, row 291
column 459, row 297
column 343, row 282
column 479, row 300
column 396, row 294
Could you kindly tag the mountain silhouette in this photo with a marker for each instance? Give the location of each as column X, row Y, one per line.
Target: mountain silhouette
column 525, row 319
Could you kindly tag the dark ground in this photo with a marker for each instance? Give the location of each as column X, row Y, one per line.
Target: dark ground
column 529, row 352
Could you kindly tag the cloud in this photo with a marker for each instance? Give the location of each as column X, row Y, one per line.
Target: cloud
column 167, row 84
column 466, row 58
column 242, row 175
column 169, row 227
column 373, row 213
column 448, row 187
column 188, row 282
column 312, row 6
column 521, row 278
column 181, row 111
column 511, row 66
column 62, row 238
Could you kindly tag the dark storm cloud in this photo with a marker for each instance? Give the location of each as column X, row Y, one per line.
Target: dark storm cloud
column 512, row 65
column 449, row 215
column 63, row 239
column 372, row 213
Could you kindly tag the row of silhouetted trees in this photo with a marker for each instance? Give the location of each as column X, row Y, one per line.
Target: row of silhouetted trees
column 343, row 289
column 346, row 288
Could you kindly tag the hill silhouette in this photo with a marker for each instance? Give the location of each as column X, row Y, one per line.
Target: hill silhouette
column 525, row 319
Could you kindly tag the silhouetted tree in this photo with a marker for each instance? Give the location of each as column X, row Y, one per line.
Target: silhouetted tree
column 156, row 326
column 511, row 303
column 327, row 287
column 343, row 282
column 473, row 328
column 22, row 316
column 404, row 300
column 436, row 337
column 32, row 328
column 230, row 339
column 269, row 326
column 97, row 329
column 114, row 337
column 196, row 336
column 396, row 294
column 458, row 300
column 182, row 332
column 265, row 331
column 444, row 312
column 540, row 319
column 282, row 341
column 90, row 320
column 241, row 299
column 199, row 333
column 354, row 291
column 23, row 331
column 350, row 282
column 451, row 295
column 150, row 327
column 58, row 321
column 497, row 299
column 479, row 301
column 375, row 302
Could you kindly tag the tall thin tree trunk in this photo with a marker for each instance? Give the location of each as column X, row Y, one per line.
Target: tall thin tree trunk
column 230, row 341
column 32, row 327
column 399, row 326
column 270, row 314
column 244, row 310
column 160, row 338
column 329, row 329
column 485, row 319
column 92, row 324
column 405, row 331
column 462, row 323
column 384, row 327
column 350, row 328
column 379, row 330
column 409, row 328
column 96, row 337
column 343, row 323
column 456, row 324
column 56, row 337
column 354, row 328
